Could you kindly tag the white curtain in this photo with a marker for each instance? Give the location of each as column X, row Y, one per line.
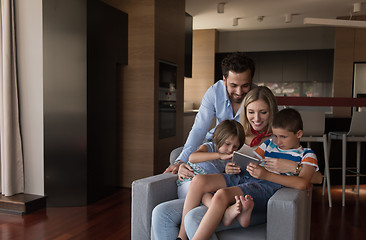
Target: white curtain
column 11, row 158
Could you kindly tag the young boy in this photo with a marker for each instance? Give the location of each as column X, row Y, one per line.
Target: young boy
column 258, row 184
column 287, row 131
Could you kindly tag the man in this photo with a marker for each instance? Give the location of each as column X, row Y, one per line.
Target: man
column 222, row 100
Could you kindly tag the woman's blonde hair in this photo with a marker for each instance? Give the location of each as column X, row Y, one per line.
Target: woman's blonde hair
column 258, row 93
column 228, row 128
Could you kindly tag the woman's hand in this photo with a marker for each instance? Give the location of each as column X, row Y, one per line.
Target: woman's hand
column 256, row 171
column 185, row 171
column 231, row 168
column 280, row 165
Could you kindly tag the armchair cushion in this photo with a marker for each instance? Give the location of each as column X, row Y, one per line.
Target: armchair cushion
column 146, row 194
column 288, row 213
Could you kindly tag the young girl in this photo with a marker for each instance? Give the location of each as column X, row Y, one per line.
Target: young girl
column 211, row 157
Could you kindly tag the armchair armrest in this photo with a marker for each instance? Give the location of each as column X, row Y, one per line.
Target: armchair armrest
column 288, row 215
column 146, row 194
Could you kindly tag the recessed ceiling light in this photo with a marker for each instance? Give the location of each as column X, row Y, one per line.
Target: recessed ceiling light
column 236, row 21
column 356, row 7
column 288, row 18
column 220, row 7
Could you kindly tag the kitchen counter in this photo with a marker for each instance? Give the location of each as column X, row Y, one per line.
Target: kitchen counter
column 190, row 112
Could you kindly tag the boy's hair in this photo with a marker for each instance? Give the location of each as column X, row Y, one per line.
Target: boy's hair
column 228, row 128
column 289, row 119
column 237, row 62
column 258, row 93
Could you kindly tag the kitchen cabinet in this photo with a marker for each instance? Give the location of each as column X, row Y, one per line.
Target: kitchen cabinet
column 289, row 66
column 270, row 67
column 320, row 66
column 294, row 67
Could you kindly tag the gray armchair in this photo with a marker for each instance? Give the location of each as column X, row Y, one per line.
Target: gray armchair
column 288, row 214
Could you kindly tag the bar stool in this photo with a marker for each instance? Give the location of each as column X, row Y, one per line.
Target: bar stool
column 356, row 133
column 313, row 128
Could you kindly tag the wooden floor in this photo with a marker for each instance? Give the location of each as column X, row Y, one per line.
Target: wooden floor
column 110, row 219
column 343, row 223
column 107, row 219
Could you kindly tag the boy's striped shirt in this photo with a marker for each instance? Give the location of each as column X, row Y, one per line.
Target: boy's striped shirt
column 269, row 149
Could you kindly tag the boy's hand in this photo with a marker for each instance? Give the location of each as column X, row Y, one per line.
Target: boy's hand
column 231, row 168
column 224, row 156
column 280, row 165
column 317, row 178
column 256, row 171
column 309, row 189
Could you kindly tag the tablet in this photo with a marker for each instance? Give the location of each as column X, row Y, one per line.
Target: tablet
column 242, row 160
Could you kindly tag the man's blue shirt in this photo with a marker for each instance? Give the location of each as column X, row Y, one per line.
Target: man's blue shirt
column 215, row 103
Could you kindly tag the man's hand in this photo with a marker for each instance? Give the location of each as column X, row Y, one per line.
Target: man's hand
column 172, row 168
column 185, row 171
column 256, row 171
column 231, row 168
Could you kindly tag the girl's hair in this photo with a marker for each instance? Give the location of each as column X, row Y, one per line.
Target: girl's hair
column 289, row 119
column 258, row 93
column 228, row 128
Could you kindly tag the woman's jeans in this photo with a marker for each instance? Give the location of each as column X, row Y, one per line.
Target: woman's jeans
column 166, row 218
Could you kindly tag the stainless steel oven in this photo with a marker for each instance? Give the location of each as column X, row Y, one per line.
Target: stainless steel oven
column 167, row 119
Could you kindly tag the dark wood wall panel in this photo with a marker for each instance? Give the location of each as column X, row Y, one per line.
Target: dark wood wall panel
column 84, row 42
column 107, row 29
column 155, row 32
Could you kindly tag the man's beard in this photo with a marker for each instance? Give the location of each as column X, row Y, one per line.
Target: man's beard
column 235, row 100
column 231, row 96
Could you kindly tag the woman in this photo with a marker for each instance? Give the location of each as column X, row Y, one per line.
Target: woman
column 259, row 107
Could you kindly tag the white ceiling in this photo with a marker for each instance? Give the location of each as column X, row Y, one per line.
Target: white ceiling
column 205, row 14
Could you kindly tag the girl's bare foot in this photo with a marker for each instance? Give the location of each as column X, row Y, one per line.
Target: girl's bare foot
column 232, row 212
column 247, row 205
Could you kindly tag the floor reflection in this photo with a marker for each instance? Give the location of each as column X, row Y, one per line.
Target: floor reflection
column 338, row 222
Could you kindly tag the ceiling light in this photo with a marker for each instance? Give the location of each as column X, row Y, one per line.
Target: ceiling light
column 235, row 21
column 220, row 7
column 356, row 7
column 335, row 22
column 260, row 18
column 288, row 18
